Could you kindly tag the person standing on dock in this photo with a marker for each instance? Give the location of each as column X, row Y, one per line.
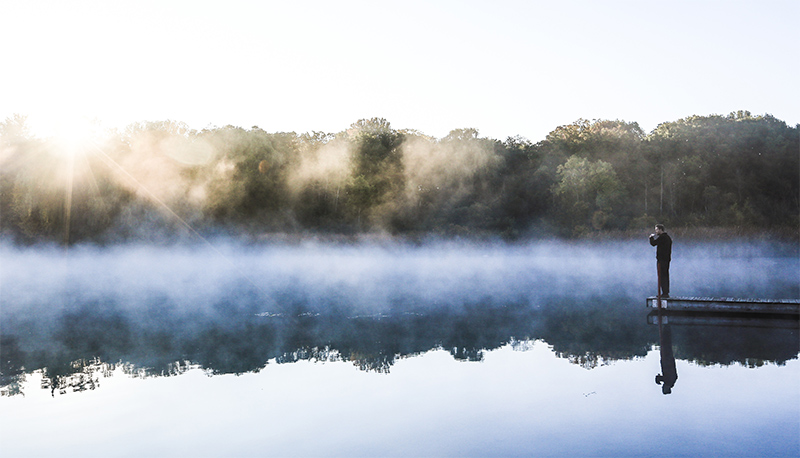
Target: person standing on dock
column 663, row 243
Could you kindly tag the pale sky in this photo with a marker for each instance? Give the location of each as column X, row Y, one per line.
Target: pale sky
column 503, row 67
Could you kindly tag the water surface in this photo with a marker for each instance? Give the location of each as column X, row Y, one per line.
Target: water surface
column 451, row 349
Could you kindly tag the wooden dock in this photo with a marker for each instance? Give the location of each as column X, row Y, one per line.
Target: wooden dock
column 727, row 305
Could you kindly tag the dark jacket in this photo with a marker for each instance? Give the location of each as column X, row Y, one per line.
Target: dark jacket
column 663, row 244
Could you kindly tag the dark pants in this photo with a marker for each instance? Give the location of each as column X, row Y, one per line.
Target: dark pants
column 663, row 270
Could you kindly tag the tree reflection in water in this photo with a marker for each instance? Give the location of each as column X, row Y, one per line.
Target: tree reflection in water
column 93, row 338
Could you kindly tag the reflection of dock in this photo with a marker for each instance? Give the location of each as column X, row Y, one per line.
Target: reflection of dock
column 727, row 305
column 748, row 320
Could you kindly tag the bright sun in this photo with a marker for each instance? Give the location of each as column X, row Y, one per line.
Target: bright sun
column 70, row 133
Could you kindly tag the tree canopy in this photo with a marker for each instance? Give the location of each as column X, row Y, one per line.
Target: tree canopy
column 156, row 179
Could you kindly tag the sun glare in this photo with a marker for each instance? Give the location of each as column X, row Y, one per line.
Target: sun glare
column 70, row 133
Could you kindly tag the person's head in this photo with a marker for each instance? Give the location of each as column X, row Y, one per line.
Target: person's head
column 660, row 229
column 666, row 389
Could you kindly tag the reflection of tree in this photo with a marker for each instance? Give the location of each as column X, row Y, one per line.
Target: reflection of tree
column 726, row 345
column 594, row 332
column 586, row 360
column 12, row 362
column 80, row 375
column 74, row 348
column 95, row 330
column 233, row 339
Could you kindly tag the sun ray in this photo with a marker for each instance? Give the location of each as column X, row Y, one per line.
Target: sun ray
column 68, row 197
column 116, row 166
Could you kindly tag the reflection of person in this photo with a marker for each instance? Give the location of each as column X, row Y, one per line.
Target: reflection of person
column 663, row 243
column 669, row 373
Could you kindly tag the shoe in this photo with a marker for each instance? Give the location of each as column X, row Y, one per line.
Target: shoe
column 663, row 296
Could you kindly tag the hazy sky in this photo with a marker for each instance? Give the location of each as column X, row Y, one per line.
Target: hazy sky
column 504, row 67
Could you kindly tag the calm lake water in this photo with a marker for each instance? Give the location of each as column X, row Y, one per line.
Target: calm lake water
column 448, row 349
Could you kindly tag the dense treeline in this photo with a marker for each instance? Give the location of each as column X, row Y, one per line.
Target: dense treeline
column 157, row 179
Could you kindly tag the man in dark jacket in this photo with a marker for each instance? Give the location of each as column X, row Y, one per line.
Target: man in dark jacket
column 663, row 243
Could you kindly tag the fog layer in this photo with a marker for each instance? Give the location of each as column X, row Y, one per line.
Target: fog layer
column 383, row 278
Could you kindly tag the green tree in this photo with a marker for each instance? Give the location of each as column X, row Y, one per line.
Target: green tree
column 247, row 184
column 588, row 193
column 616, row 142
column 735, row 170
column 377, row 178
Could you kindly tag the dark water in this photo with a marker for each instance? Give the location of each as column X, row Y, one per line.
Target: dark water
column 544, row 349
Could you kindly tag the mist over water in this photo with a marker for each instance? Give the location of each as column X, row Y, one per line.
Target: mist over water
column 375, row 278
